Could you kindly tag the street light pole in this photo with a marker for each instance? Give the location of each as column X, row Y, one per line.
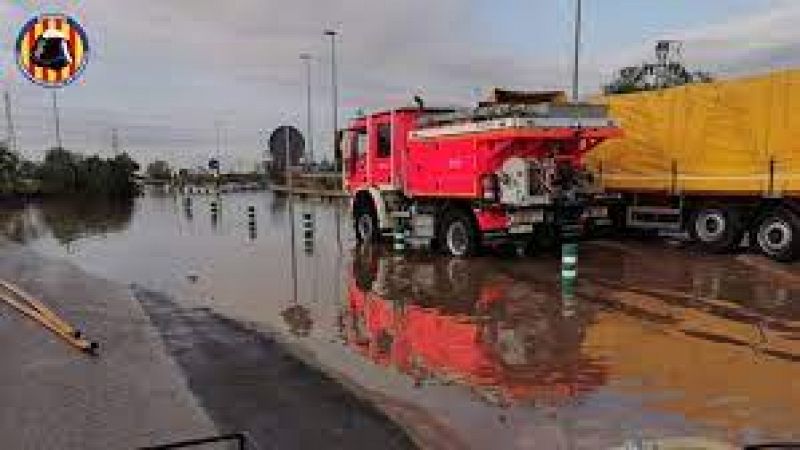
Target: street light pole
column 57, row 120
column 217, row 125
column 334, row 88
column 306, row 58
column 576, row 62
column 11, row 137
column 114, row 141
column 288, row 158
column 216, row 132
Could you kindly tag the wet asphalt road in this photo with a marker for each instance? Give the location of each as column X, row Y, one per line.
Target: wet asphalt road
column 660, row 346
column 53, row 397
column 246, row 381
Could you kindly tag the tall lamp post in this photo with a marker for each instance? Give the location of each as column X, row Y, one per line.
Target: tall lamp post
column 576, row 61
column 11, row 137
column 306, row 58
column 57, row 119
column 334, row 90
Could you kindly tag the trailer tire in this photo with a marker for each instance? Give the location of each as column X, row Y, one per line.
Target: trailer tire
column 458, row 234
column 365, row 223
column 716, row 229
column 777, row 235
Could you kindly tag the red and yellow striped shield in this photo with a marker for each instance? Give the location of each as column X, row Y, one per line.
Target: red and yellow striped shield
column 52, row 50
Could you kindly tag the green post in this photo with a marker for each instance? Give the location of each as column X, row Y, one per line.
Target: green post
column 569, row 268
column 187, row 207
column 399, row 235
column 214, row 215
column 570, row 235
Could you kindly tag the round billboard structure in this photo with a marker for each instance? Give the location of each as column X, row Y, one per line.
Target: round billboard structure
column 286, row 141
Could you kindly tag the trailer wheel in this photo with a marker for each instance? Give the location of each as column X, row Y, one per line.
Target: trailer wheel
column 777, row 235
column 458, row 234
column 366, row 224
column 716, row 229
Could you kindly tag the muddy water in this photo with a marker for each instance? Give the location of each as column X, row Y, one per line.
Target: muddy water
column 660, row 345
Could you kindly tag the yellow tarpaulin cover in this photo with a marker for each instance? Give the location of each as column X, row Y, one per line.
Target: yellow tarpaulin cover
column 715, row 137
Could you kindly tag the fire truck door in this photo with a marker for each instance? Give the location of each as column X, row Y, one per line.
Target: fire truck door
column 357, row 152
column 380, row 169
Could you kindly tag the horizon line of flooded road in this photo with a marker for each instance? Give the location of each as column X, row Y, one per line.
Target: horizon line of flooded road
column 659, row 344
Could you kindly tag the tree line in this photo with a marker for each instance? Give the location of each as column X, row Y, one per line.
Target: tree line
column 63, row 172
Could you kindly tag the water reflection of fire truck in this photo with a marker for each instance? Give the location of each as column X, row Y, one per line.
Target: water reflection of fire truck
column 689, row 342
column 440, row 323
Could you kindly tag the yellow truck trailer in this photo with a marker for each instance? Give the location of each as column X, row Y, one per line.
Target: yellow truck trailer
column 719, row 160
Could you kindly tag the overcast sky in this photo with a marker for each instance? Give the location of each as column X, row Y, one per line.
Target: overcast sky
column 164, row 71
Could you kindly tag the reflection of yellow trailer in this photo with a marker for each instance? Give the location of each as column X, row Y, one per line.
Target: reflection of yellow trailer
column 730, row 386
column 720, row 158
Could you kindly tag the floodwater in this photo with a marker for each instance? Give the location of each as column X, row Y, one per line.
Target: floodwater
column 659, row 346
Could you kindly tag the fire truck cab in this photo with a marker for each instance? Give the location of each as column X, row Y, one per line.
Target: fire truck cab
column 460, row 178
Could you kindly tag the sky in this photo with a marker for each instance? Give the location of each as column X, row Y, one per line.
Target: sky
column 167, row 73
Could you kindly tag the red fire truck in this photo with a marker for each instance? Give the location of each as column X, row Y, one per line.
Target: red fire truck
column 508, row 170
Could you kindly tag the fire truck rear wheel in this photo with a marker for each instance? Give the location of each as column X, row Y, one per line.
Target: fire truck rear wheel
column 366, row 224
column 716, row 229
column 778, row 235
column 459, row 234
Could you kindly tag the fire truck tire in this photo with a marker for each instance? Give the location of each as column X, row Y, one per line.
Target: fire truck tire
column 777, row 235
column 365, row 268
column 365, row 224
column 458, row 234
column 716, row 229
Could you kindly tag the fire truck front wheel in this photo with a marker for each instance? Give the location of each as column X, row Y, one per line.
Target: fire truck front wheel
column 366, row 224
column 459, row 234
